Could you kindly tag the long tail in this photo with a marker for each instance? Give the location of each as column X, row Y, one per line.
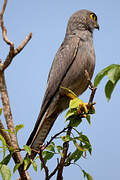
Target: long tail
column 45, row 122
column 41, row 133
column 43, row 130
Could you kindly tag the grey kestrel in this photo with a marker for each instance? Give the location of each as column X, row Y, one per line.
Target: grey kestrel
column 75, row 55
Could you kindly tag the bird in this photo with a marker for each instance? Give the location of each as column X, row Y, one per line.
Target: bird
column 75, row 55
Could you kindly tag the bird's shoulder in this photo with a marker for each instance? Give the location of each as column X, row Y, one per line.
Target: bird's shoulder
column 61, row 63
column 65, row 54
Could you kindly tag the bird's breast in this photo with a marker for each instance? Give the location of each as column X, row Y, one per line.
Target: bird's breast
column 85, row 60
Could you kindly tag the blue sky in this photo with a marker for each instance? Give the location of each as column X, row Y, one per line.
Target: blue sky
column 26, row 77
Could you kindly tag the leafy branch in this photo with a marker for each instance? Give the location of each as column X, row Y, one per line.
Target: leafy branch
column 113, row 73
column 9, row 137
column 78, row 110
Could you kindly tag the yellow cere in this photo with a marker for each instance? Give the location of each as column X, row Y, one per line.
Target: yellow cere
column 93, row 17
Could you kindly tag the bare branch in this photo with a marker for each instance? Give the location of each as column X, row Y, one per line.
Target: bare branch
column 63, row 158
column 11, row 137
column 7, row 110
column 54, row 171
column 8, row 59
column 44, row 165
column 93, row 89
column 12, row 52
column 46, row 168
column 23, row 44
column 52, row 138
column 4, row 31
column 4, row 134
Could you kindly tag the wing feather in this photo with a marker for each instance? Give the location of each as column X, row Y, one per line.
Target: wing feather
column 60, row 66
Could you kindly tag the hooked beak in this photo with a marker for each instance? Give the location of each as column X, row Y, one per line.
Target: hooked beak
column 97, row 26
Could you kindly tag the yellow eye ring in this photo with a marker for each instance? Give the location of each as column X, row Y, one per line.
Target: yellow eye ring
column 93, row 17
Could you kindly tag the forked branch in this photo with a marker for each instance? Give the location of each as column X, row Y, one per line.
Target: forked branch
column 12, row 52
column 10, row 138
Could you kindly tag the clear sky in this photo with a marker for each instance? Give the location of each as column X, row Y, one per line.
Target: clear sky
column 27, row 75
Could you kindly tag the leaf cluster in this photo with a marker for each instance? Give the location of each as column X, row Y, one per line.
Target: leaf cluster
column 4, row 169
column 113, row 73
column 78, row 110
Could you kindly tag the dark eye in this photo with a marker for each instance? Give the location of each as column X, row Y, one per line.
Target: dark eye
column 93, row 17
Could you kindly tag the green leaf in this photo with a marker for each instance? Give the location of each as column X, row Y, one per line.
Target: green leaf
column 75, row 156
column 66, row 138
column 34, row 165
column 27, row 160
column 68, row 92
column 37, row 157
column 4, row 145
column 88, row 119
column 109, row 89
column 11, row 149
column 5, row 172
column 18, row 127
column 17, row 165
column 70, row 113
column 80, row 133
column 59, row 148
column 103, row 73
column 88, row 176
column 79, row 147
column 0, row 111
column 87, row 146
column 75, row 120
column 91, row 110
column 114, row 74
column 51, row 147
column 84, row 139
column 74, row 103
column 6, row 159
column 46, row 156
column 27, row 149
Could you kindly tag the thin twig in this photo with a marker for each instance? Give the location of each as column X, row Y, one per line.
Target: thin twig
column 54, row 171
column 76, row 165
column 46, row 168
column 23, row 44
column 63, row 158
column 43, row 147
column 55, row 136
column 5, row 134
column 12, row 52
column 4, row 34
column 93, row 89
column 4, row 30
column 43, row 164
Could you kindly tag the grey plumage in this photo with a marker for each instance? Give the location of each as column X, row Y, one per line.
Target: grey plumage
column 75, row 55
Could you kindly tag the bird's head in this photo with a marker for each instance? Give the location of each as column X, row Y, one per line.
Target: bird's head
column 82, row 20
